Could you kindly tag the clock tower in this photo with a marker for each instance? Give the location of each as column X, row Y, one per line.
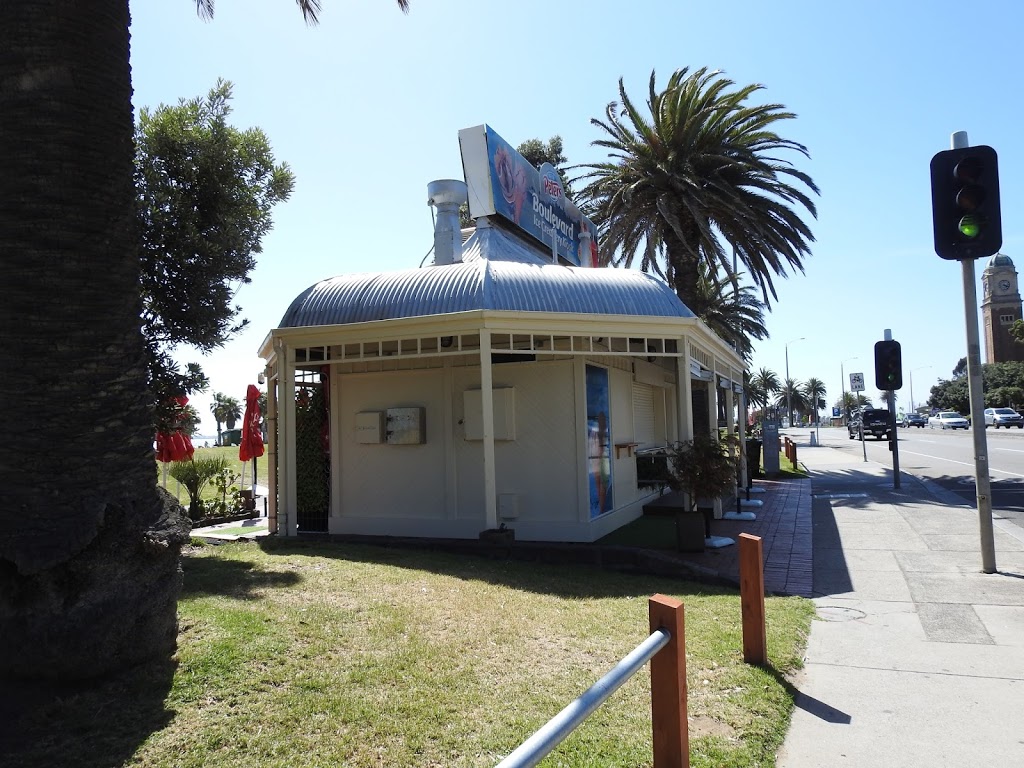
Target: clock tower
column 1000, row 308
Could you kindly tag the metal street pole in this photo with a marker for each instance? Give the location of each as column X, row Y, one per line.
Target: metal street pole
column 981, row 476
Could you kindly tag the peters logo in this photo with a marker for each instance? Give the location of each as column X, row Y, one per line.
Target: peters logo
column 551, row 182
column 552, row 187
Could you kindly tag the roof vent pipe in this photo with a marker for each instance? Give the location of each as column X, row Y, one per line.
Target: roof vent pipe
column 446, row 195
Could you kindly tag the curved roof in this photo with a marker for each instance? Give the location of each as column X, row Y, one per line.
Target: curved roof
column 1000, row 260
column 514, row 280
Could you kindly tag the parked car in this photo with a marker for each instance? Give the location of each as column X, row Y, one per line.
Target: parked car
column 948, row 420
column 870, row 421
column 1003, row 417
column 913, row 420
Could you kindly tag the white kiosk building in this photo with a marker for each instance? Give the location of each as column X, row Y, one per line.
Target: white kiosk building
column 505, row 384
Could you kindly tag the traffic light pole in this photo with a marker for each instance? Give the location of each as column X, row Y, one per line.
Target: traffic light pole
column 981, row 470
column 893, row 445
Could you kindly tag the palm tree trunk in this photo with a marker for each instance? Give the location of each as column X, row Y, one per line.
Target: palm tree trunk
column 89, row 550
column 685, row 269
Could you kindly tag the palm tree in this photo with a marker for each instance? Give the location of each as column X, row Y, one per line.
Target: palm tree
column 697, row 180
column 791, row 395
column 90, row 554
column 225, row 410
column 814, row 390
column 764, row 384
column 733, row 312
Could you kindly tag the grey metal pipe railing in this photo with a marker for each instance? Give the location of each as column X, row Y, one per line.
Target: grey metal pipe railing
column 551, row 734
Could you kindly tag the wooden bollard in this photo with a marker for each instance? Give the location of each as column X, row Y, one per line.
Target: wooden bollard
column 668, row 685
column 755, row 642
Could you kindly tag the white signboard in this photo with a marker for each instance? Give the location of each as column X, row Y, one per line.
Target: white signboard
column 857, row 382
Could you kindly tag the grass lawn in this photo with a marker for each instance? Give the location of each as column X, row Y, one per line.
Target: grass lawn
column 306, row 654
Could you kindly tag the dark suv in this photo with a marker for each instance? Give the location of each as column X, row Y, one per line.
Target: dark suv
column 870, row 421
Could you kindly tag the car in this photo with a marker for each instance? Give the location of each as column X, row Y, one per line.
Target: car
column 1003, row 417
column 948, row 420
column 870, row 421
column 913, row 420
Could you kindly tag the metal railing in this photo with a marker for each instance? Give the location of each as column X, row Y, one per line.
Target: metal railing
column 551, row 734
column 665, row 648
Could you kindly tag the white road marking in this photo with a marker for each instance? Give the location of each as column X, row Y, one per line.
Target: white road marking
column 962, row 463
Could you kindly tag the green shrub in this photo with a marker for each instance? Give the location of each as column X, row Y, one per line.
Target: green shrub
column 194, row 475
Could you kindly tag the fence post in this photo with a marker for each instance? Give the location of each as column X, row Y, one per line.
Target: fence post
column 755, row 642
column 668, row 685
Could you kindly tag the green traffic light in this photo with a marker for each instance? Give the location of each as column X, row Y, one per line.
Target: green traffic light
column 970, row 226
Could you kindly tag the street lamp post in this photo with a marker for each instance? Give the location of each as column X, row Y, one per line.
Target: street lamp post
column 912, row 385
column 789, row 388
column 842, row 381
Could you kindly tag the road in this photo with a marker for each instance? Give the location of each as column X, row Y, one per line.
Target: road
column 946, row 457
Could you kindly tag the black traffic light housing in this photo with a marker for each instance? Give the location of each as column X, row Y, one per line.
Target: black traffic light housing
column 965, row 203
column 888, row 365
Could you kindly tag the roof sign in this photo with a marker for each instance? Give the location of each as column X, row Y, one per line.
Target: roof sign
column 502, row 182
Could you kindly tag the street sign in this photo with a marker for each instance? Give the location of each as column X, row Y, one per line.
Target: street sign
column 857, row 382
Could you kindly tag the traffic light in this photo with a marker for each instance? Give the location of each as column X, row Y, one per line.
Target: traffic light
column 965, row 203
column 888, row 365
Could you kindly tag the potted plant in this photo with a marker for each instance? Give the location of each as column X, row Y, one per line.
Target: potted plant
column 703, row 468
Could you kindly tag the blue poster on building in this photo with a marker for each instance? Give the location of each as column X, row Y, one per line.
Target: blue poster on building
column 599, row 442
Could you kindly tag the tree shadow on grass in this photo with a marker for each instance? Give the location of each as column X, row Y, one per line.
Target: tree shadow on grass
column 207, row 576
column 97, row 724
column 559, row 570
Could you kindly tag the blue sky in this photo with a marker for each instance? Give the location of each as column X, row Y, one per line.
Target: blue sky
column 366, row 108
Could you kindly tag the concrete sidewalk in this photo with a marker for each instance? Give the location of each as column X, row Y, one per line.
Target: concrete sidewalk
column 916, row 658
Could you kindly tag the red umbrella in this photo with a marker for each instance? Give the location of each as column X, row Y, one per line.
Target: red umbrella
column 173, row 444
column 251, row 445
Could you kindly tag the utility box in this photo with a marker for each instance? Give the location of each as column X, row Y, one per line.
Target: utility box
column 406, row 426
column 770, row 448
column 370, row 427
column 508, row 506
column 504, row 413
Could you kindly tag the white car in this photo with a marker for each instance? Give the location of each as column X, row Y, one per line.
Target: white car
column 947, row 420
column 1003, row 417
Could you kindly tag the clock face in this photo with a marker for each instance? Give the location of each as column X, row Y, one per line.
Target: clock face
column 1004, row 285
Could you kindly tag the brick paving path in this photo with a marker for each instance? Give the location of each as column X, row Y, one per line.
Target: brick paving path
column 784, row 525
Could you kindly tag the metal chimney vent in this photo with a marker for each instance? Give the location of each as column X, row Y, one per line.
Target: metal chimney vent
column 446, row 195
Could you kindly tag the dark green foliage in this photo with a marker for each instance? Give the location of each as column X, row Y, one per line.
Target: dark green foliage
column 312, row 481
column 194, row 475
column 1003, row 385
column 697, row 177
column 703, row 467
column 205, row 191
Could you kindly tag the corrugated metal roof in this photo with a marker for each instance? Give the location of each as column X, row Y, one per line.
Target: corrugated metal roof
column 500, row 273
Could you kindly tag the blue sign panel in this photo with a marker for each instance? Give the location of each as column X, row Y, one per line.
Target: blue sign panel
column 502, row 182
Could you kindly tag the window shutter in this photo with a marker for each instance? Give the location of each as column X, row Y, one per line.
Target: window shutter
column 643, row 414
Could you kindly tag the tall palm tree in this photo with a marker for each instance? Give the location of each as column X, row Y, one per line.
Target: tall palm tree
column 90, row 553
column 697, row 177
column 731, row 311
column 814, row 390
column 791, row 395
column 226, row 410
column 764, row 384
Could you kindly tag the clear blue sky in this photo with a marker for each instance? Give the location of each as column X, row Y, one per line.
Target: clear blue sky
column 367, row 106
